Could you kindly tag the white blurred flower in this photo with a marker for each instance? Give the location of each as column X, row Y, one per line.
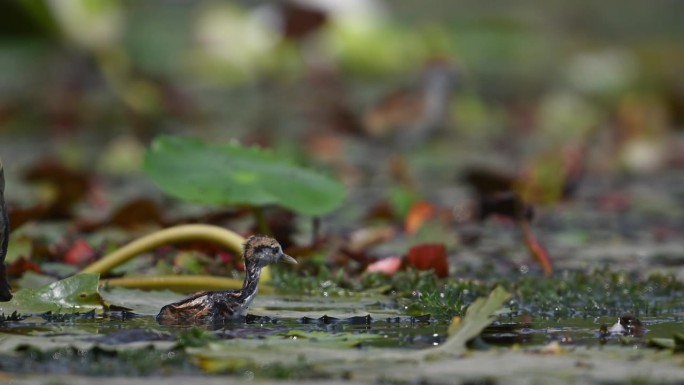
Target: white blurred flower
column 567, row 115
column 236, row 37
column 346, row 8
column 603, row 71
column 91, row 24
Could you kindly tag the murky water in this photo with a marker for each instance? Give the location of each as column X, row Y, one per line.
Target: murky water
column 273, row 315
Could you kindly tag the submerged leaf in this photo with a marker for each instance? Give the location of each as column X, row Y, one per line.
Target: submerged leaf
column 332, row 340
column 78, row 293
column 679, row 342
column 676, row 344
column 230, row 174
column 662, row 343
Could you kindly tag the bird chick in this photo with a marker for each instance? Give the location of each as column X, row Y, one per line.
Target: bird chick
column 215, row 307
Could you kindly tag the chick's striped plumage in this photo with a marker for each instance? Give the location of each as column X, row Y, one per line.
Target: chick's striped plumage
column 212, row 307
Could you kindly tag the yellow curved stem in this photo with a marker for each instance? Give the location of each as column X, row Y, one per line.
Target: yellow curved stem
column 177, row 283
column 171, row 235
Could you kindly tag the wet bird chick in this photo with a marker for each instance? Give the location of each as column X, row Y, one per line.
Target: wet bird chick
column 215, row 307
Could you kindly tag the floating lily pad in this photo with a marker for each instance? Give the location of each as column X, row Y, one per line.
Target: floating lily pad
column 229, row 174
column 74, row 294
column 332, row 340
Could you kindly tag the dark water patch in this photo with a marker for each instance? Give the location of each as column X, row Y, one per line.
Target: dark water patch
column 98, row 362
column 67, row 317
column 133, row 335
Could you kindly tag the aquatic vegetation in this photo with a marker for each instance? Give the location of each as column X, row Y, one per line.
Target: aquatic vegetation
column 74, row 294
column 600, row 292
column 231, row 174
column 195, row 337
column 597, row 293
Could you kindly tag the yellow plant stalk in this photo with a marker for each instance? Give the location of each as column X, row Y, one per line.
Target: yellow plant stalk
column 171, row 235
column 178, row 283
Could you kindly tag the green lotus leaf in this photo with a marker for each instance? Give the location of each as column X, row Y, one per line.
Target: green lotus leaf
column 230, row 174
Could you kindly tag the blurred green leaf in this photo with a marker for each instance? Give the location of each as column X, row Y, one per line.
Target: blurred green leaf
column 234, row 175
column 401, row 199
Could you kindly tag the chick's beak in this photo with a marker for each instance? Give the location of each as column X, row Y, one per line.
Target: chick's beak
column 287, row 259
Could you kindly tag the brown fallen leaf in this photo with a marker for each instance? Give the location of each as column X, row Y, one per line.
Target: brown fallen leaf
column 21, row 215
column 300, row 19
column 20, row 266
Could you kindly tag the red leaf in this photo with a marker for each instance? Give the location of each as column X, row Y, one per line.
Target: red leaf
column 79, row 253
column 387, row 266
column 429, row 256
